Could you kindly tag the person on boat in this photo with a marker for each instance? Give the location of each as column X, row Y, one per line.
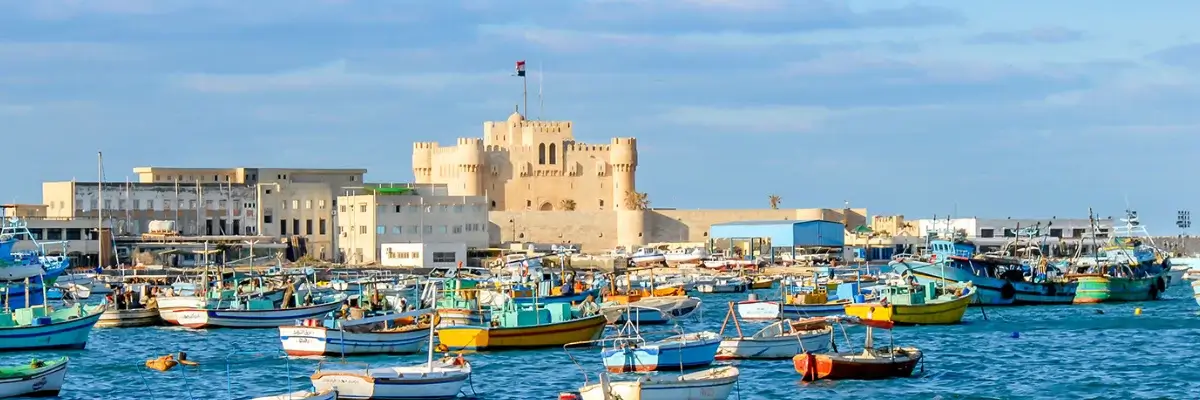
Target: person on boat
column 578, row 286
column 308, row 299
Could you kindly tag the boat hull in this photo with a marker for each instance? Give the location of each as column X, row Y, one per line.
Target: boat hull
column 319, row 341
column 359, row 386
column 722, row 287
column 821, row 366
column 169, row 306
column 773, row 348
column 70, row 334
column 670, row 356
column 305, row 395
column 128, row 318
column 938, row 313
column 993, row 291
column 546, row 335
column 44, row 382
column 757, row 310
column 1097, row 288
column 715, row 388
column 202, row 318
column 20, row 272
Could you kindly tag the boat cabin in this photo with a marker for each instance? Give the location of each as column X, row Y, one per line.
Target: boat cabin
column 519, row 315
column 909, row 295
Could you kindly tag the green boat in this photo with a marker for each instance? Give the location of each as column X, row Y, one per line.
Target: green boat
column 1128, row 268
column 37, row 378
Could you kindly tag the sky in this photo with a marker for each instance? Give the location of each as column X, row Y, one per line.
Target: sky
column 994, row 109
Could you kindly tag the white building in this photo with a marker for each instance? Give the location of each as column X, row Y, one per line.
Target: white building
column 991, row 232
column 432, row 255
column 371, row 216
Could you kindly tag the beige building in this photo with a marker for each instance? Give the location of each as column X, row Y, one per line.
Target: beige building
column 213, row 201
column 372, row 217
column 544, row 187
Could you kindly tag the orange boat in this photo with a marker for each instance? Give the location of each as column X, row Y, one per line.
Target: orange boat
column 871, row 363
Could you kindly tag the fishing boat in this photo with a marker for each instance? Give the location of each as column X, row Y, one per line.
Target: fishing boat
column 303, row 395
column 802, row 301
column 43, row 327
column 647, row 256
column 780, row 340
column 909, row 304
column 126, row 310
column 16, row 266
column 871, row 363
column 630, row 353
column 646, row 306
column 1129, row 268
column 527, row 326
column 256, row 312
column 693, row 255
column 391, row 333
column 763, row 282
column 35, row 379
column 1000, row 279
column 711, row 384
column 735, row 284
column 1196, row 289
column 436, row 379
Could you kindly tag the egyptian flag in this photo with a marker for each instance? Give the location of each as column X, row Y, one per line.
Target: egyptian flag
column 521, row 68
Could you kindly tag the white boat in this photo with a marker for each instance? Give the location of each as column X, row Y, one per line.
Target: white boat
column 711, row 384
column 37, row 379
column 252, row 316
column 651, row 310
column 780, row 340
column 114, row 318
column 646, row 255
column 436, row 379
column 1196, row 289
column 723, row 285
column 169, row 306
column 761, row 310
column 303, row 395
column 374, row 335
column 694, row 255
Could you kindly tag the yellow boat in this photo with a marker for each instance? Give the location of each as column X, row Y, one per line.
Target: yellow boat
column 525, row 327
column 763, row 282
column 917, row 304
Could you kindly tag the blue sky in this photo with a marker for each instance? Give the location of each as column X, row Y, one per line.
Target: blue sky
column 1013, row 108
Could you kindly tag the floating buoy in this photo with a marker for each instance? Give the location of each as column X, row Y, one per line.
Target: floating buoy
column 1016, row 335
column 568, row 396
column 1137, row 311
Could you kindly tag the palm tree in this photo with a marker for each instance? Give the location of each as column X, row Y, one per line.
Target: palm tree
column 567, row 204
column 775, row 200
column 637, row 201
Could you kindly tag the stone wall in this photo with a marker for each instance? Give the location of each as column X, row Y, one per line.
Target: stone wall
column 595, row 231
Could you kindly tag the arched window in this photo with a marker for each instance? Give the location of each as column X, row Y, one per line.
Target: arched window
column 552, row 155
column 542, row 154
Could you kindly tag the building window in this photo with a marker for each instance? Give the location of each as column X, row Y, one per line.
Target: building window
column 342, row 208
column 137, row 204
column 398, row 208
column 428, row 229
column 528, row 203
column 295, row 226
column 414, row 228
column 987, row 233
column 295, row 204
column 308, row 204
column 208, row 205
column 267, row 219
column 283, row 227
column 444, row 208
column 396, row 230
column 1055, row 232
column 308, row 227
column 380, row 229
column 362, row 230
column 444, row 257
column 1103, row 233
column 321, row 204
column 493, row 204
column 283, row 205
column 224, row 204
column 542, row 154
column 601, row 202
column 442, row 229
column 74, row 234
column 1008, row 232
column 458, row 208
column 362, row 208
column 552, row 155
column 1078, row 233
column 321, row 226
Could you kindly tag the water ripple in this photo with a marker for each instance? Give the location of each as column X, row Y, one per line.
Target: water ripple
column 1061, row 352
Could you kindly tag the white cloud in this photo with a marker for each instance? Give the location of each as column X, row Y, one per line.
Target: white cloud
column 335, row 75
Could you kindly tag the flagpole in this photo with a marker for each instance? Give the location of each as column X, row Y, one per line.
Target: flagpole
column 525, row 92
column 541, row 103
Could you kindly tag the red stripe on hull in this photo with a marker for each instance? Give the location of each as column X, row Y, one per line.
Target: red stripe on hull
column 301, row 353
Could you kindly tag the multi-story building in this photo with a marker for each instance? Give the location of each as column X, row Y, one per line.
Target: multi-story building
column 214, row 201
column 376, row 215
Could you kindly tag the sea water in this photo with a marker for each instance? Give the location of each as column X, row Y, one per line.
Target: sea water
column 1035, row 352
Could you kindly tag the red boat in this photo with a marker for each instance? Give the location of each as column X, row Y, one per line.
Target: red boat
column 871, row 363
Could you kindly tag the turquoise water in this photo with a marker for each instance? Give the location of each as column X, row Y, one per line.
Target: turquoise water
column 1063, row 352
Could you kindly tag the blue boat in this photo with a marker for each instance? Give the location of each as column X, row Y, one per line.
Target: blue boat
column 29, row 265
column 675, row 353
column 43, row 327
column 1000, row 280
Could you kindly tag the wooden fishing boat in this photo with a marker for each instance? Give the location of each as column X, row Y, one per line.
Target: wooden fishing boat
column 115, row 318
column 526, row 326
column 1129, row 268
column 678, row 352
column 254, row 315
column 1196, row 289
column 871, row 363
column 802, row 301
column 1104, row 288
column 42, row 327
column 648, row 310
column 394, row 333
column 711, row 384
column 917, row 304
column 999, row 280
column 763, row 282
column 779, row 340
column 723, row 285
column 36, row 379
column 303, row 395
column 439, row 379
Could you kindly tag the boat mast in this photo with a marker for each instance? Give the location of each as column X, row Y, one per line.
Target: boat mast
column 100, row 210
column 431, row 326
